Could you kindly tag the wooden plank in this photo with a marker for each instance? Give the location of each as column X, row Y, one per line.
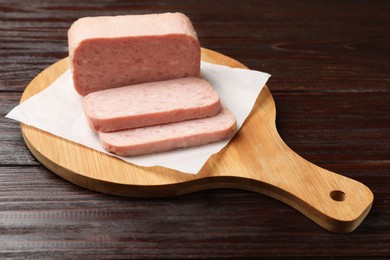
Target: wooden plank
column 36, row 206
column 35, row 35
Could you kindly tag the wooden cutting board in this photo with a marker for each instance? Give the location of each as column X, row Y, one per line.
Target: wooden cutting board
column 255, row 160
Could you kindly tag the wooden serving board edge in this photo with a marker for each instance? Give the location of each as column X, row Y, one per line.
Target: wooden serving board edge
column 272, row 168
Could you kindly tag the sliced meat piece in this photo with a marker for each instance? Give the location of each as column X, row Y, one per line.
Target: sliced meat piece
column 150, row 104
column 166, row 137
column 116, row 51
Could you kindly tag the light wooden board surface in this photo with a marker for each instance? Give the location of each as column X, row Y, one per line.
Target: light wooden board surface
column 256, row 159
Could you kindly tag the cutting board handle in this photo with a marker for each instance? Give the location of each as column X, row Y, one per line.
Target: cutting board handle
column 335, row 202
column 257, row 160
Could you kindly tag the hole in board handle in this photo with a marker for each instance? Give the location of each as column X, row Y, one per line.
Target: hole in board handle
column 337, row 195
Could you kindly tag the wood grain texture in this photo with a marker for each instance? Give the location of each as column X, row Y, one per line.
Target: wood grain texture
column 326, row 58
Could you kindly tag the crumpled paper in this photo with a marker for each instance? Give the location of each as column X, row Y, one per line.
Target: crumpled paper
column 58, row 110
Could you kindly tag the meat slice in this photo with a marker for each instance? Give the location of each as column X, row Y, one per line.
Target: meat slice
column 150, row 104
column 116, row 51
column 166, row 137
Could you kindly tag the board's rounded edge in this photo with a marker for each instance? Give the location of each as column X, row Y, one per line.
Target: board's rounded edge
column 111, row 188
column 136, row 191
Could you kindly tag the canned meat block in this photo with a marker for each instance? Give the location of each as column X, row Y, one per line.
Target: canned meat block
column 115, row 51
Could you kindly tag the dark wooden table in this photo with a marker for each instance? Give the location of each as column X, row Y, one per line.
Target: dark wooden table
column 330, row 66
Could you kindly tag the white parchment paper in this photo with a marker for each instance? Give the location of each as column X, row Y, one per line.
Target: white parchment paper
column 58, row 110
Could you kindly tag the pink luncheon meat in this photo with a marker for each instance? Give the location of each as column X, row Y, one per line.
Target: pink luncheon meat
column 170, row 136
column 150, row 104
column 116, row 51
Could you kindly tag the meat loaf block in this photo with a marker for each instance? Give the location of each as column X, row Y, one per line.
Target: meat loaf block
column 116, row 51
column 150, row 104
column 166, row 137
